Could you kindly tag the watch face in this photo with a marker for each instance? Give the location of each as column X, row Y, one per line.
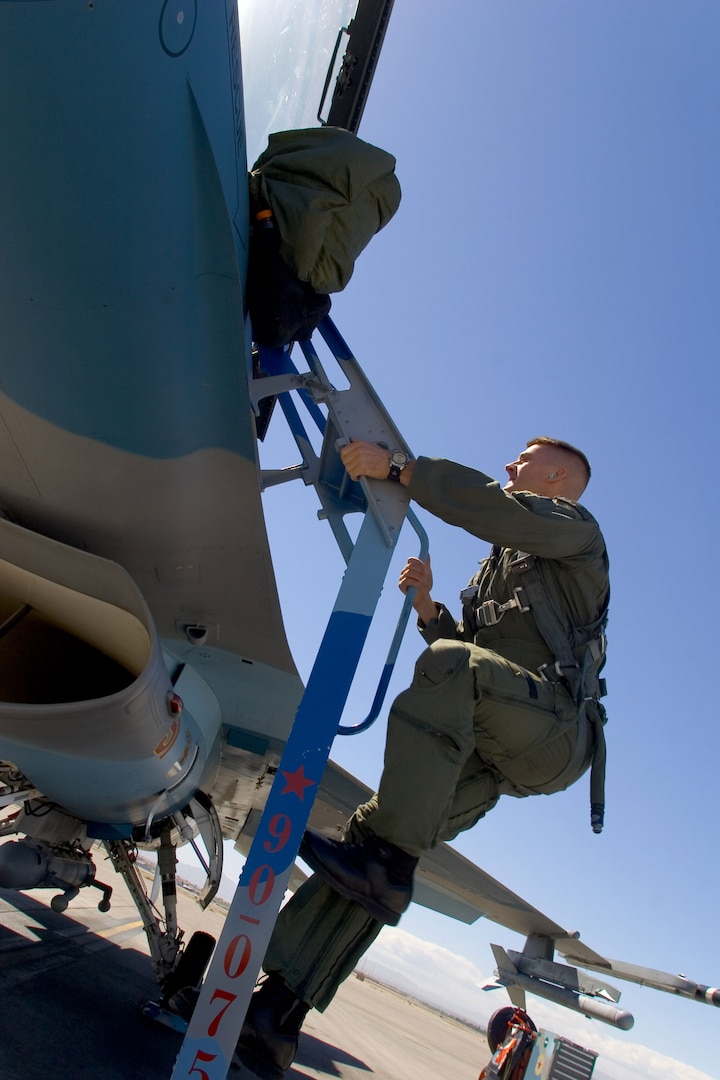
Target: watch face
column 398, row 458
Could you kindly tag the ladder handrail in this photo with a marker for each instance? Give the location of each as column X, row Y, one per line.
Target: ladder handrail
column 337, row 493
column 401, row 626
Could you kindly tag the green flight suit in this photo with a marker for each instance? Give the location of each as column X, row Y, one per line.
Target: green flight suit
column 478, row 720
column 330, row 193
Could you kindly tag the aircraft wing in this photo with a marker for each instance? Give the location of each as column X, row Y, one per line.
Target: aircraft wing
column 449, row 883
column 445, row 880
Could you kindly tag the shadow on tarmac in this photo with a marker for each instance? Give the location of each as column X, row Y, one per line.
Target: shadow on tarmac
column 71, row 994
column 73, row 984
column 320, row 1055
column 71, row 999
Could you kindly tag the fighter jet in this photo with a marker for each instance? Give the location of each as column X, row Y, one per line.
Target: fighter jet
column 148, row 697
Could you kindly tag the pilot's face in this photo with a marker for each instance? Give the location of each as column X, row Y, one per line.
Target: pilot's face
column 531, row 471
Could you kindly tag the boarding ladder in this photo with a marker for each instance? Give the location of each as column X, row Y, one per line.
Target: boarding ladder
column 353, row 412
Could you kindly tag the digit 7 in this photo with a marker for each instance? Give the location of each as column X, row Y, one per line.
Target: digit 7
column 228, row 998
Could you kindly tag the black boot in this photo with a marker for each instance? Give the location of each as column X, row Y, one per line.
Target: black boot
column 375, row 874
column 183, row 1002
column 269, row 1038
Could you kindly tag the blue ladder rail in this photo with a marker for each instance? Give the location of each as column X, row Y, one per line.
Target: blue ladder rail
column 338, row 494
column 400, row 628
column 209, row 1044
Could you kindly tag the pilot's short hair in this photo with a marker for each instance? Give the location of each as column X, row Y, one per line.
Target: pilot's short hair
column 545, row 440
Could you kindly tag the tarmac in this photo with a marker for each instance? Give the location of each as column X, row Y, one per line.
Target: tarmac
column 72, row 987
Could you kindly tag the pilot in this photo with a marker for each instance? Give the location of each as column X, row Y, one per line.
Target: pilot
column 504, row 702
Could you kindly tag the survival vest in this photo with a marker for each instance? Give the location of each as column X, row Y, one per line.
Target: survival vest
column 578, row 661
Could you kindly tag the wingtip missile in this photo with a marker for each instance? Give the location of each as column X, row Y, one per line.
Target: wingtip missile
column 643, row 976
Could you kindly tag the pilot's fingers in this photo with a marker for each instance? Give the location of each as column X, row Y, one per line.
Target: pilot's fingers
column 415, row 569
column 417, row 573
column 405, row 583
column 356, row 453
column 419, row 569
column 365, row 459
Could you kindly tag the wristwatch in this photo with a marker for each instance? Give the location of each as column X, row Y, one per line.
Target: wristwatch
column 398, row 461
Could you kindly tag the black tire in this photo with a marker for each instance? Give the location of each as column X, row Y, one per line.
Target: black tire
column 499, row 1023
column 191, row 967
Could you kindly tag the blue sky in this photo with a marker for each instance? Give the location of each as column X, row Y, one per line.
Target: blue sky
column 553, row 269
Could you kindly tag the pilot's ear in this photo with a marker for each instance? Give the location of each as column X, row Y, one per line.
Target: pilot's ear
column 558, row 473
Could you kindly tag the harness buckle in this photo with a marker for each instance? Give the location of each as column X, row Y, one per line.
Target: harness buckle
column 490, row 612
column 517, row 602
column 556, row 672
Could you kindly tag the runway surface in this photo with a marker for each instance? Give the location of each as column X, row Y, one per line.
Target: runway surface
column 72, row 986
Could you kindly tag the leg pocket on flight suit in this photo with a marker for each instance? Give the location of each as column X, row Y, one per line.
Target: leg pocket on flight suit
column 439, row 703
column 448, row 741
column 538, row 740
column 476, row 793
column 439, row 662
column 518, row 712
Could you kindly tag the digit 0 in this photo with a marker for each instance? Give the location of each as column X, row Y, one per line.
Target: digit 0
column 261, row 885
column 243, row 960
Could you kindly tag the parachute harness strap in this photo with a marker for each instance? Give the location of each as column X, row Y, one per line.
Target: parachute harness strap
column 580, row 678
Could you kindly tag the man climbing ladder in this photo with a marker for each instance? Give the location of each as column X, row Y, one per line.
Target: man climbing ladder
column 505, row 702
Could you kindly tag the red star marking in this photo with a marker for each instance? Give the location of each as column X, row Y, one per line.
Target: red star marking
column 295, row 783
